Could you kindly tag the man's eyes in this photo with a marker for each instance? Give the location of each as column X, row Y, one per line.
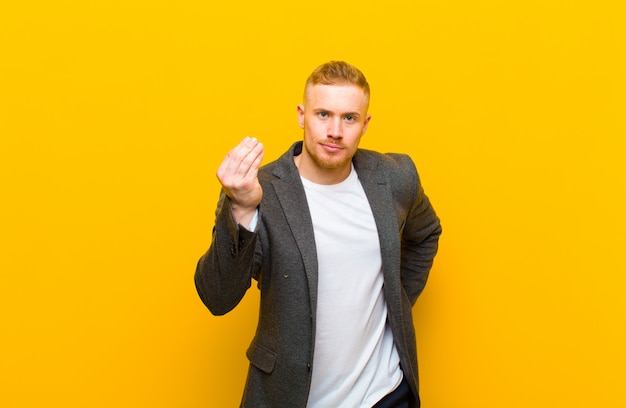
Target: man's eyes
column 349, row 118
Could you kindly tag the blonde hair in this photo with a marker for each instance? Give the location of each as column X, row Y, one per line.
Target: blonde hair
column 338, row 72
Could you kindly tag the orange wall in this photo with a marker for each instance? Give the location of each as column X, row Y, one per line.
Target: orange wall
column 115, row 114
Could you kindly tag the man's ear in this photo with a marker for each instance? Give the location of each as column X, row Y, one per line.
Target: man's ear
column 301, row 115
column 366, row 122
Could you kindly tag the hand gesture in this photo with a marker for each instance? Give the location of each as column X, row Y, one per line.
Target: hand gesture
column 238, row 176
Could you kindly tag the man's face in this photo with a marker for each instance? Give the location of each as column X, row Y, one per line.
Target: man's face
column 334, row 117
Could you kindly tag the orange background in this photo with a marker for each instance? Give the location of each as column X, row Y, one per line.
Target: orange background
column 115, row 114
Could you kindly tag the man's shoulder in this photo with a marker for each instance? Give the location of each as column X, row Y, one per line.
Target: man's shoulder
column 395, row 169
column 390, row 161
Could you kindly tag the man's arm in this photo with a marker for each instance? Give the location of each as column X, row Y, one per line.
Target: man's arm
column 224, row 273
column 420, row 240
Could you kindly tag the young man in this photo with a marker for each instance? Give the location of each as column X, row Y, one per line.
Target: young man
column 341, row 241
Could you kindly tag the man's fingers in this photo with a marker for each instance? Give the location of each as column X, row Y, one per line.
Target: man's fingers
column 242, row 162
column 250, row 164
column 243, row 158
column 254, row 168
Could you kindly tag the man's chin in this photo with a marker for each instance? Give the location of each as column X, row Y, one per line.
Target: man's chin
column 333, row 163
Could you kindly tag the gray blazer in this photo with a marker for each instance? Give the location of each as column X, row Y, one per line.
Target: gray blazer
column 280, row 255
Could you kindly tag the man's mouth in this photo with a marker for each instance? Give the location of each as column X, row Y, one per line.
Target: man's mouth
column 331, row 147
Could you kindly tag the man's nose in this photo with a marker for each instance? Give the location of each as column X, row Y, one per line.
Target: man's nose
column 334, row 128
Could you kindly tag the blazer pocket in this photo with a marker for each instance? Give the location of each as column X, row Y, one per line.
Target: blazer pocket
column 262, row 358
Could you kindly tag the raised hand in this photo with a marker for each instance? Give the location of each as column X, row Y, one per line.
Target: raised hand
column 238, row 175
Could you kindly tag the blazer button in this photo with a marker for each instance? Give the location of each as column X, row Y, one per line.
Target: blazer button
column 233, row 250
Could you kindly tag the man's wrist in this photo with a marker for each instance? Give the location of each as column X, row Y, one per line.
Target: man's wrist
column 245, row 216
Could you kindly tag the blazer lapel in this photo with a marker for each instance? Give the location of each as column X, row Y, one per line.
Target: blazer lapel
column 292, row 198
column 378, row 192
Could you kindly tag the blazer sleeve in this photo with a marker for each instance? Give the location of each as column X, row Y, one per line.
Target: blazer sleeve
column 224, row 272
column 420, row 238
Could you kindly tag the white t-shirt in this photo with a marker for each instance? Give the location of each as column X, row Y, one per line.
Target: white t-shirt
column 355, row 360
